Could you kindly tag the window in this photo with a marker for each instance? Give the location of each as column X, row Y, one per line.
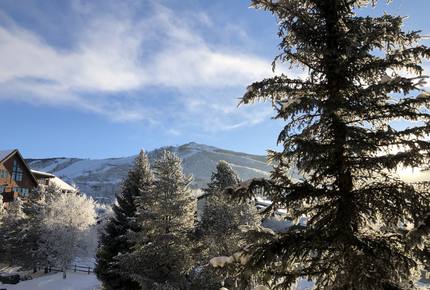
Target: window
column 4, row 173
column 16, row 172
column 22, row 191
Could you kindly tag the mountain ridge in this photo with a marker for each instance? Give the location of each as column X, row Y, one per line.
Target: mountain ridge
column 101, row 178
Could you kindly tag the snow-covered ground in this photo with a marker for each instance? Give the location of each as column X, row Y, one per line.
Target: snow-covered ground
column 74, row 281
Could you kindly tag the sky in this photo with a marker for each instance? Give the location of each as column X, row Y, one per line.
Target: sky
column 104, row 78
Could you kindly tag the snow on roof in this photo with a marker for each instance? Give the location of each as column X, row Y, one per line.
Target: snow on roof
column 62, row 184
column 5, row 153
column 42, row 174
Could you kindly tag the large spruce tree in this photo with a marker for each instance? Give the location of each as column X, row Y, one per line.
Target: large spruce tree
column 161, row 257
column 365, row 227
column 115, row 240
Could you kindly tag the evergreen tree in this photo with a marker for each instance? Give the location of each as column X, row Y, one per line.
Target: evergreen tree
column 221, row 217
column 12, row 224
column 219, row 227
column 31, row 229
column 23, row 229
column 115, row 240
column 161, row 258
column 339, row 135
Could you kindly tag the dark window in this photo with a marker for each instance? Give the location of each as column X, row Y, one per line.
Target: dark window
column 16, row 172
column 22, row 191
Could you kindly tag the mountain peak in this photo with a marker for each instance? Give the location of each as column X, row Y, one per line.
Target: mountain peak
column 198, row 146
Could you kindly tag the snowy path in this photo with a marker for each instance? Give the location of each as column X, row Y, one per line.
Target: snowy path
column 74, row 281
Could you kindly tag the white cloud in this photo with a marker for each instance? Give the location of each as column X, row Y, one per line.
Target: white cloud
column 218, row 109
column 100, row 62
column 116, row 58
column 190, row 67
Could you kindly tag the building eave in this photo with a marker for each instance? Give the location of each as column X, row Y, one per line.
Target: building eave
column 42, row 174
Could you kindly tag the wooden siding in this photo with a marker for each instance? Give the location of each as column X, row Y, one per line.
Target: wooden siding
column 26, row 182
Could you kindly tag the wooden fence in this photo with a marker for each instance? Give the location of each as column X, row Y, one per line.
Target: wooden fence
column 71, row 267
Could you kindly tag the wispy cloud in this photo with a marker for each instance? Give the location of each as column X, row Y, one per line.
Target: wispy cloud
column 117, row 58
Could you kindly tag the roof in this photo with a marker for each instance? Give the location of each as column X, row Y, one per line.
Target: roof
column 6, row 153
column 41, row 174
column 54, row 180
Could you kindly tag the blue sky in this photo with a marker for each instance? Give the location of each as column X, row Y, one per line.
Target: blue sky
column 97, row 79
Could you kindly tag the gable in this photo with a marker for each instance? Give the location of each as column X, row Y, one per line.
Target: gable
column 16, row 165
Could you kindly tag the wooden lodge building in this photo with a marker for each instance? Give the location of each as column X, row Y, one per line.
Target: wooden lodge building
column 16, row 178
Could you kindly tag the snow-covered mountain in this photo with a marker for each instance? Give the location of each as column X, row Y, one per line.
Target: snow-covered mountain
column 101, row 178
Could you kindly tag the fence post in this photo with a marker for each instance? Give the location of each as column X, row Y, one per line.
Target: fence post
column 75, row 267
